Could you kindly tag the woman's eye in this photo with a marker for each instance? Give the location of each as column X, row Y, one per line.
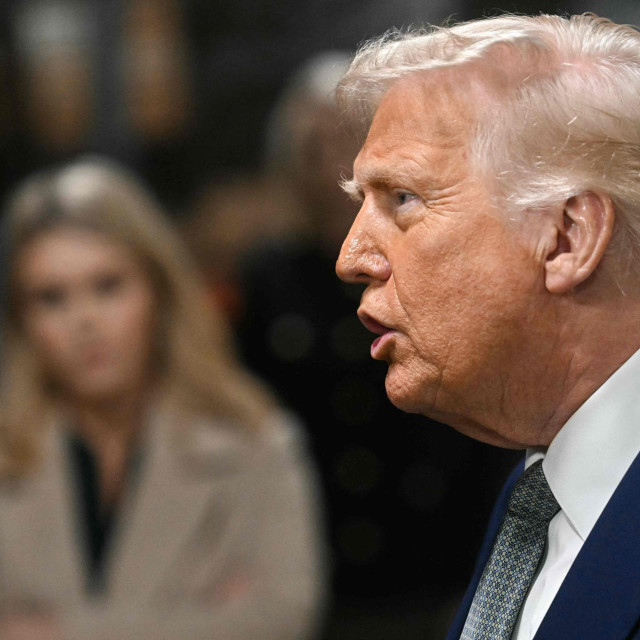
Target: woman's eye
column 108, row 284
column 49, row 297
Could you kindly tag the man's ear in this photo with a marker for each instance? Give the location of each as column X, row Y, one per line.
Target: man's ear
column 583, row 235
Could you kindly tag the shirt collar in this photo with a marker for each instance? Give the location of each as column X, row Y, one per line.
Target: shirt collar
column 591, row 453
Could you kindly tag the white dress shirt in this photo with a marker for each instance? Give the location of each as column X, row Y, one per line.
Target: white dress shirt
column 584, row 465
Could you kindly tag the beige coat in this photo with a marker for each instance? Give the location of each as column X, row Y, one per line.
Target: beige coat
column 218, row 540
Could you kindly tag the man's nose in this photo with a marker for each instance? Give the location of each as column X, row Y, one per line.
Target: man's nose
column 362, row 259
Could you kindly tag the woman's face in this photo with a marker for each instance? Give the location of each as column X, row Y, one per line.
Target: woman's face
column 88, row 309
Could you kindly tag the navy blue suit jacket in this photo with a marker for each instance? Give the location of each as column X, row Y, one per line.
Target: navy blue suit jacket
column 600, row 597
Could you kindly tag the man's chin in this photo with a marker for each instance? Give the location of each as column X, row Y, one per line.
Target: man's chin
column 417, row 400
column 412, row 397
column 403, row 396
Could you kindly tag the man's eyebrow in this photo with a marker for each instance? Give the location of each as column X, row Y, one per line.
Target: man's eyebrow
column 378, row 177
column 352, row 188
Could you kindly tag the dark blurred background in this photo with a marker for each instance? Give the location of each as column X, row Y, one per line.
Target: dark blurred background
column 216, row 106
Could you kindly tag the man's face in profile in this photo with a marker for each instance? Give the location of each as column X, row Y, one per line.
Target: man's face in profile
column 450, row 280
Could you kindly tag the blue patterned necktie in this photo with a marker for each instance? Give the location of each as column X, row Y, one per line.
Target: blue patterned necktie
column 514, row 559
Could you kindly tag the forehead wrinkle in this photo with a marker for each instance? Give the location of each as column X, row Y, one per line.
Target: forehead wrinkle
column 381, row 175
column 425, row 169
column 385, row 156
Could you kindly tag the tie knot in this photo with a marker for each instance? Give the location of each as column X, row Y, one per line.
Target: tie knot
column 532, row 499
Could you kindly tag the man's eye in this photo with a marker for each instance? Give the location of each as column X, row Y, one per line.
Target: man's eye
column 405, row 196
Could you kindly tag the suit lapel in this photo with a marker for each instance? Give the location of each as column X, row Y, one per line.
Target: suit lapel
column 600, row 597
column 169, row 498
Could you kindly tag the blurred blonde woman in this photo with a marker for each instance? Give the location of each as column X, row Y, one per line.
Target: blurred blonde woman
column 149, row 487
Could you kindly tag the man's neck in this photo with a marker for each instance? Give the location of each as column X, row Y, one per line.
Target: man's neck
column 597, row 347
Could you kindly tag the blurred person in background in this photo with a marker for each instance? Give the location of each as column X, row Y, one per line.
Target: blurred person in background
column 292, row 206
column 393, row 504
column 149, row 487
column 228, row 218
column 307, row 148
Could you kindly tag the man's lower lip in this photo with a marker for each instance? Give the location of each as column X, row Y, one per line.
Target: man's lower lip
column 379, row 342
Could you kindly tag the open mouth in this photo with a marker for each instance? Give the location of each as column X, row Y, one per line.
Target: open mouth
column 383, row 332
column 373, row 325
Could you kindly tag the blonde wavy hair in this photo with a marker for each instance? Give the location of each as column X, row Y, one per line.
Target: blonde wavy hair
column 199, row 371
column 564, row 118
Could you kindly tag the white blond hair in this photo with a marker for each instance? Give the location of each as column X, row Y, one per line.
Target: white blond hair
column 567, row 120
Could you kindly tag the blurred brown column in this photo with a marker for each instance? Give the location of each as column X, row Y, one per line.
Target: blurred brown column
column 54, row 47
column 157, row 77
